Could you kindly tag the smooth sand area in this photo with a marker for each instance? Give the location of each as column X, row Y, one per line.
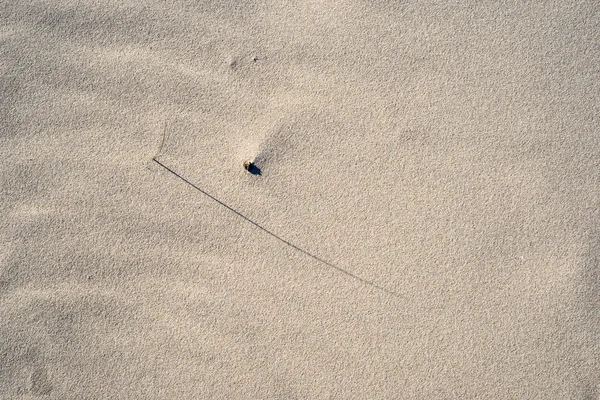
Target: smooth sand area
column 423, row 220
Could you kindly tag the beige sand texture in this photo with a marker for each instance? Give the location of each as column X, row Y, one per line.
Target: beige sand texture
column 425, row 224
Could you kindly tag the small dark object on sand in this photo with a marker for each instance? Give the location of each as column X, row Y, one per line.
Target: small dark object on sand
column 252, row 168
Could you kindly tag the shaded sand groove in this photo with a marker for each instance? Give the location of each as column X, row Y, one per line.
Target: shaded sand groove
column 256, row 224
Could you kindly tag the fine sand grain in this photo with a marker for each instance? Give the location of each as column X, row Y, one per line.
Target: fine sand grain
column 421, row 221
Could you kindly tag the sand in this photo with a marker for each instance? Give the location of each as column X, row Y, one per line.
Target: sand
column 425, row 223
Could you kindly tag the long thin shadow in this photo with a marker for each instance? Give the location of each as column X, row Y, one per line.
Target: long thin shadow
column 343, row 271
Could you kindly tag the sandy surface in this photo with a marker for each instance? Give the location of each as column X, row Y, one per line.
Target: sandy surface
column 425, row 223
